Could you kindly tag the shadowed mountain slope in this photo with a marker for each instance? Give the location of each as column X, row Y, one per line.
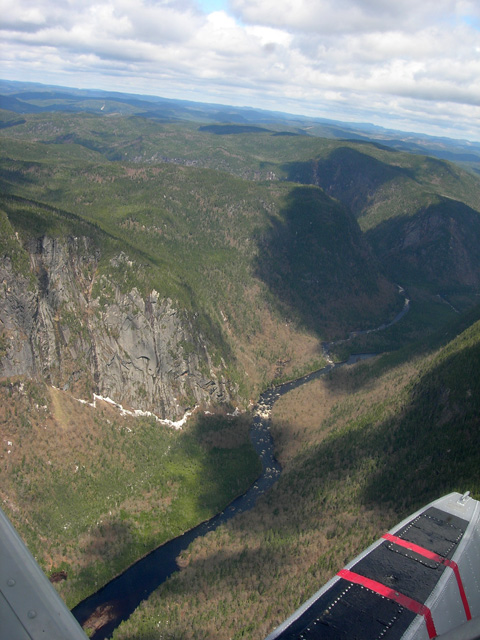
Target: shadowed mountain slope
column 174, row 269
column 420, row 215
column 316, row 262
column 438, row 245
column 360, row 449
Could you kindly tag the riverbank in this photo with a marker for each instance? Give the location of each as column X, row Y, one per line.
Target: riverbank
column 361, row 448
column 102, row 612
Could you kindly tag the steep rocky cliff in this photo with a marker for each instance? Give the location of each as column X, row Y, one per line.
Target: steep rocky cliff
column 63, row 321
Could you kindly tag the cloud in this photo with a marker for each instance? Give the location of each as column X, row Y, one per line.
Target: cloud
column 351, row 16
column 354, row 59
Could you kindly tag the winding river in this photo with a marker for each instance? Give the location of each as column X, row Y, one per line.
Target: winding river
column 116, row 601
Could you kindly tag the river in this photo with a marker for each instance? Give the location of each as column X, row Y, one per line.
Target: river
column 117, row 600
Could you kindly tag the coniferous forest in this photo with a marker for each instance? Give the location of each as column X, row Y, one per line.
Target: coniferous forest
column 160, row 269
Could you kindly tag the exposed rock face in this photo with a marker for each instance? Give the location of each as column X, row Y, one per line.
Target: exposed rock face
column 142, row 352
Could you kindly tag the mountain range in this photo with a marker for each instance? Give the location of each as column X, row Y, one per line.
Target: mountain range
column 162, row 259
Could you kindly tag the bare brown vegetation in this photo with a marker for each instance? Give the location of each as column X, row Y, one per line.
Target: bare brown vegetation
column 91, row 490
column 359, row 453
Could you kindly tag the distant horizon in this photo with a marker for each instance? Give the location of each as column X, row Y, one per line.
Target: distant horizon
column 328, row 120
column 404, row 66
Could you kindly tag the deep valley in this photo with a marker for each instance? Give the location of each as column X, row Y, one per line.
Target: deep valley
column 158, row 272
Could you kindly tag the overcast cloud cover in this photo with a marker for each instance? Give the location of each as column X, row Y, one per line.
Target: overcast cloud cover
column 405, row 64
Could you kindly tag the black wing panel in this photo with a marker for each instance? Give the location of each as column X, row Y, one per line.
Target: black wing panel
column 381, row 594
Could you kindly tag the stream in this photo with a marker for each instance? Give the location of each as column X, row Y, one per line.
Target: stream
column 118, row 599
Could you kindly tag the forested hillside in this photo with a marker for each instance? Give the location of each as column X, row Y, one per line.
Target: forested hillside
column 251, row 257
column 157, row 274
column 361, row 449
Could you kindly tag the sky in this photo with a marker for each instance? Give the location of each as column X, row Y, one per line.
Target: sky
column 412, row 65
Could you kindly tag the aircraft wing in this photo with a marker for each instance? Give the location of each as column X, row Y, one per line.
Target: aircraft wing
column 419, row 580
column 30, row 608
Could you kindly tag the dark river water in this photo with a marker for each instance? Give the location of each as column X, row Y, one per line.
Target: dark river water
column 117, row 600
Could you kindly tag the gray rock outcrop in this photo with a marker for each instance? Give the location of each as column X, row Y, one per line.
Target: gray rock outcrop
column 138, row 350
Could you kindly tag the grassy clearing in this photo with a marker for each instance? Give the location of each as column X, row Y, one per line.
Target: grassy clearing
column 91, row 491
